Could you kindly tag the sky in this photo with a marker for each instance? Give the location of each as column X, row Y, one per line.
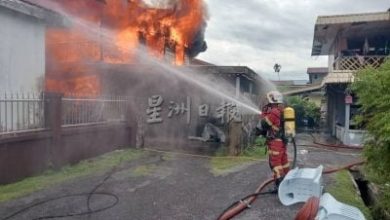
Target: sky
column 260, row 33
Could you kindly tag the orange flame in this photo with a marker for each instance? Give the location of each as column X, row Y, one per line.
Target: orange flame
column 79, row 86
column 134, row 24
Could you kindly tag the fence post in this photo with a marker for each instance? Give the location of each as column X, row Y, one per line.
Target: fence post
column 53, row 121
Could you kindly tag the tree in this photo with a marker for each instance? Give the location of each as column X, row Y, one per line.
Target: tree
column 304, row 109
column 372, row 86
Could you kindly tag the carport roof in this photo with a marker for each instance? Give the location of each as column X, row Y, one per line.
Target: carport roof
column 339, row 77
column 334, row 77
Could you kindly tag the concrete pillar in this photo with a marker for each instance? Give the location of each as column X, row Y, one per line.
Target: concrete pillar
column 347, row 114
column 53, row 111
column 53, row 121
column 331, row 113
column 334, row 115
column 234, row 137
column 238, row 86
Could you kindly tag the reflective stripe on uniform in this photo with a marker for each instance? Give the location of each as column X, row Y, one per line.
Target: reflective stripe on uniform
column 277, row 170
column 272, row 152
column 271, row 124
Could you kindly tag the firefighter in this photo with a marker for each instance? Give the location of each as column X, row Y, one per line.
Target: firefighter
column 271, row 126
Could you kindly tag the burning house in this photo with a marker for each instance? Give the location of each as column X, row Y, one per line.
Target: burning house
column 114, row 32
column 121, row 73
column 107, row 49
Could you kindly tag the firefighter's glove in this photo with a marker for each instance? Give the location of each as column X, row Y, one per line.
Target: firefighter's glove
column 285, row 140
column 261, row 128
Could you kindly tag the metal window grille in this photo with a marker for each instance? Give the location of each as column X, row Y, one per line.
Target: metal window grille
column 83, row 110
column 21, row 112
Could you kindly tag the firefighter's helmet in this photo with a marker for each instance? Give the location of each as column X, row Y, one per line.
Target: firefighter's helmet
column 274, row 97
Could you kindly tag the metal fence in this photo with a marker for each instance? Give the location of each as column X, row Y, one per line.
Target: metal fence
column 84, row 110
column 21, row 111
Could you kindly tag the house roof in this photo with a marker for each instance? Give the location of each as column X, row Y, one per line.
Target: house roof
column 29, row 9
column 227, row 70
column 353, row 18
column 290, row 83
column 339, row 77
column 328, row 27
column 303, row 90
column 200, row 62
column 334, row 77
column 317, row 70
column 283, row 82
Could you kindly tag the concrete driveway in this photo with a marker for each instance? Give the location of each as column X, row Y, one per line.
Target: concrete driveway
column 172, row 187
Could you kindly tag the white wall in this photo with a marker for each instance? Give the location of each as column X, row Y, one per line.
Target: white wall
column 22, row 52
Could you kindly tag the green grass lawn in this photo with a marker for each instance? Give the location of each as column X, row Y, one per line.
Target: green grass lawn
column 344, row 191
column 222, row 163
column 87, row 167
column 144, row 170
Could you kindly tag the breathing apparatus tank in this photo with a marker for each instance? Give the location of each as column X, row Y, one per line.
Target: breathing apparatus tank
column 289, row 122
column 289, row 130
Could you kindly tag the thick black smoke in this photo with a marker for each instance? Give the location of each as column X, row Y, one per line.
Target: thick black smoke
column 199, row 44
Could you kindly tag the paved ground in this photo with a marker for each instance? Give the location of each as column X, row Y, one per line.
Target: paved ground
column 178, row 187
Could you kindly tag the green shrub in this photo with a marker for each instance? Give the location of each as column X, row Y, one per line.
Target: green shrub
column 303, row 109
column 222, row 162
column 372, row 87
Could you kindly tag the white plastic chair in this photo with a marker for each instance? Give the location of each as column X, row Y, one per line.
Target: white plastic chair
column 331, row 209
column 300, row 184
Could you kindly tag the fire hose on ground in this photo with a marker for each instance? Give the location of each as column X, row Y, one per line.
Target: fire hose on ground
column 307, row 212
column 87, row 195
column 311, row 207
column 245, row 202
column 335, row 145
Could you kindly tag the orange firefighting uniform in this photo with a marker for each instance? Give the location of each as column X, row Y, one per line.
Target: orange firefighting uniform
column 278, row 160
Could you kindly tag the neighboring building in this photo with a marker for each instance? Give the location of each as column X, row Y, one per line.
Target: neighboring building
column 194, row 103
column 311, row 92
column 288, row 85
column 352, row 42
column 316, row 74
column 22, row 62
column 22, row 45
column 302, row 88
